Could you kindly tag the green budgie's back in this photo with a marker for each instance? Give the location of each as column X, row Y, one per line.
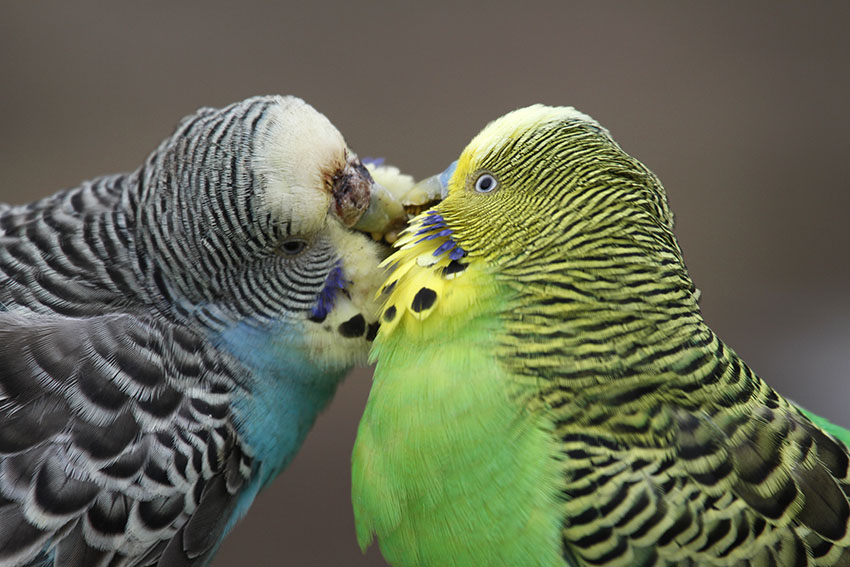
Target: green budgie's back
column 547, row 393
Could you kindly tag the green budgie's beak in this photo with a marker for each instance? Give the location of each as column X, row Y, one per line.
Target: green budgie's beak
column 436, row 184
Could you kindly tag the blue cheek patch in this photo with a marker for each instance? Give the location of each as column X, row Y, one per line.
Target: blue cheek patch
column 434, row 226
column 325, row 301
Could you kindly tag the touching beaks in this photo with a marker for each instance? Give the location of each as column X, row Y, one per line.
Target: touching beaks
column 392, row 204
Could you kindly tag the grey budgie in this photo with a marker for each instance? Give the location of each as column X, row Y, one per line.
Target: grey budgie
column 168, row 336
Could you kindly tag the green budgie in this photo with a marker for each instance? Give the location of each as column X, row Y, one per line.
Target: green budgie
column 548, row 394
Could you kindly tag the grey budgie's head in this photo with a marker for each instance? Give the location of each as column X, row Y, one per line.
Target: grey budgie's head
column 244, row 215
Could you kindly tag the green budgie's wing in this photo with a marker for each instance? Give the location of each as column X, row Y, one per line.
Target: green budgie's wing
column 665, row 478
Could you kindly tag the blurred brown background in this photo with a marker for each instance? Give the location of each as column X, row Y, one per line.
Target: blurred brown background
column 740, row 108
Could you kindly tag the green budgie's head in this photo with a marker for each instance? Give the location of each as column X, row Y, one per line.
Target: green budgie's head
column 543, row 175
column 538, row 186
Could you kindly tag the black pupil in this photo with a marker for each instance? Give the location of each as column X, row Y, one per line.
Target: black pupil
column 293, row 246
column 485, row 183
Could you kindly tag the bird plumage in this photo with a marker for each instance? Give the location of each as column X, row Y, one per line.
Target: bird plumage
column 559, row 400
column 168, row 336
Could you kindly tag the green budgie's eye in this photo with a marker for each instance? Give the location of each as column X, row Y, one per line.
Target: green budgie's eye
column 486, row 183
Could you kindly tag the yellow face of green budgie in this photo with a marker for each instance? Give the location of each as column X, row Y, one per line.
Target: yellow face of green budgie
column 522, row 188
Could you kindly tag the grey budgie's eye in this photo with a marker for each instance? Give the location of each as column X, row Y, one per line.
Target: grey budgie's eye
column 293, row 246
column 486, row 183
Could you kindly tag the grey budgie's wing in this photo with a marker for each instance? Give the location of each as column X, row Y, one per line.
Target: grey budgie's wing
column 115, row 442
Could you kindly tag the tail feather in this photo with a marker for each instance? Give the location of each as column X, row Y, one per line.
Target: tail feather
column 836, row 431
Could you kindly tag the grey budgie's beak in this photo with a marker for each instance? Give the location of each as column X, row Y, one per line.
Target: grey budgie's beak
column 385, row 212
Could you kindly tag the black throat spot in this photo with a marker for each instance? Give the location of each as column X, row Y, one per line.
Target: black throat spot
column 424, row 299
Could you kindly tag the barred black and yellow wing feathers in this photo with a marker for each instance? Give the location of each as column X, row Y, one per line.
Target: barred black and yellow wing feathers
column 735, row 475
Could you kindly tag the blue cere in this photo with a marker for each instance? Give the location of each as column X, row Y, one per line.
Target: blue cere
column 325, row 302
column 376, row 161
column 444, row 178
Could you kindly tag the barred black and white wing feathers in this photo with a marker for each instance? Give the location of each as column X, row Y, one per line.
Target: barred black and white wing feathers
column 116, row 442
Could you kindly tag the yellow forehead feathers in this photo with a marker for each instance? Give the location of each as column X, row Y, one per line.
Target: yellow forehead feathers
column 513, row 125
